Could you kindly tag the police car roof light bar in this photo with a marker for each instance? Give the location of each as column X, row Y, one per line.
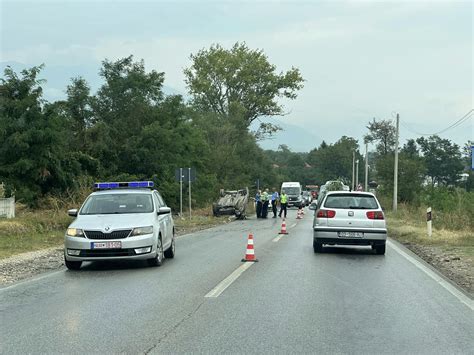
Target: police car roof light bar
column 126, row 185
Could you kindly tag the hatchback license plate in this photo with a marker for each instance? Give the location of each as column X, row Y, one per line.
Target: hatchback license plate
column 106, row 245
column 350, row 234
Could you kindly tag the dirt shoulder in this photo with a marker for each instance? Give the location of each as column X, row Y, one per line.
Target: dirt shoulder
column 450, row 252
column 451, row 263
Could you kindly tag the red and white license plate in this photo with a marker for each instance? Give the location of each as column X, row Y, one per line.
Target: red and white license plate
column 350, row 234
column 106, row 245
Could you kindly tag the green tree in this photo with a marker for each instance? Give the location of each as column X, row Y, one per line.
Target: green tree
column 442, row 158
column 33, row 140
column 240, row 81
column 334, row 161
column 382, row 132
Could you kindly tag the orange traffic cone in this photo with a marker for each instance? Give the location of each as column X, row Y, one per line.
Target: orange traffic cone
column 283, row 227
column 250, row 253
column 298, row 214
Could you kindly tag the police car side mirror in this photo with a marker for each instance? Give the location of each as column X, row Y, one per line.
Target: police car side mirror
column 72, row 213
column 163, row 210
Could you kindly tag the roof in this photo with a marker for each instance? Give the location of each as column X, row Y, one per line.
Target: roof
column 122, row 191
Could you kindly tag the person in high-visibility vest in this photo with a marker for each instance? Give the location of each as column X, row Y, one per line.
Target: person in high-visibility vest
column 283, row 203
column 265, row 199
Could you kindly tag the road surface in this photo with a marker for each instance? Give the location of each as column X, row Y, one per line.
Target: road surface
column 345, row 300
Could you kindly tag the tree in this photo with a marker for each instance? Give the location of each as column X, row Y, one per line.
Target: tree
column 334, row 161
column 33, row 146
column 384, row 133
column 411, row 172
column 240, row 80
column 442, row 158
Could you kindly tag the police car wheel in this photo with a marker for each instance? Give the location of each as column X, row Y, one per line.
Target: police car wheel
column 169, row 253
column 158, row 259
column 73, row 265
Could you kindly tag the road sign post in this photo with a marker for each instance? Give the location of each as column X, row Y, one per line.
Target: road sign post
column 182, row 175
column 428, row 221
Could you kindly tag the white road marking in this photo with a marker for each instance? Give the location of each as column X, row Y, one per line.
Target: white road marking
column 293, row 225
column 276, row 239
column 221, row 287
column 450, row 288
column 37, row 278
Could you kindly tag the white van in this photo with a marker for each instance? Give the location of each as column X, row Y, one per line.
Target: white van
column 294, row 192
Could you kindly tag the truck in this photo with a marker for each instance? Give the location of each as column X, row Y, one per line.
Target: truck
column 294, row 192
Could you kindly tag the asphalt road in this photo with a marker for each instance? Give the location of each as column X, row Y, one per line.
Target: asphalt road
column 345, row 300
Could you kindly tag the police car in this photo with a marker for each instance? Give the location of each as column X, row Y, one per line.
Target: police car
column 120, row 220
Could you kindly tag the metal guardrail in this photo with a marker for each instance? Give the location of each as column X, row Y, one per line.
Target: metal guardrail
column 7, row 207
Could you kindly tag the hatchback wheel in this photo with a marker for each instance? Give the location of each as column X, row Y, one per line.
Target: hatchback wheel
column 169, row 253
column 318, row 247
column 158, row 259
column 380, row 249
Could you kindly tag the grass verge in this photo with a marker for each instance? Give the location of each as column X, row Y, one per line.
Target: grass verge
column 41, row 229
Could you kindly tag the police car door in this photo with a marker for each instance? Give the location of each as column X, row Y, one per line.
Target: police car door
column 164, row 221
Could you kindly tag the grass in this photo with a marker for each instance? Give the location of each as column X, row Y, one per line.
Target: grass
column 408, row 226
column 34, row 230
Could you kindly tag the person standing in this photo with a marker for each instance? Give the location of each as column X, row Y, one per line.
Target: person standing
column 265, row 199
column 275, row 197
column 258, row 202
column 283, row 204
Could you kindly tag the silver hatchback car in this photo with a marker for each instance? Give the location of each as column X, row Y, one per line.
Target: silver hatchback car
column 349, row 218
column 120, row 221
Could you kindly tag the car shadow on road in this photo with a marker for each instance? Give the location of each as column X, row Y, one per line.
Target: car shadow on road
column 348, row 250
column 97, row 266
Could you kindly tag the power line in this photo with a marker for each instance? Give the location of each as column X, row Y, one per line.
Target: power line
column 457, row 123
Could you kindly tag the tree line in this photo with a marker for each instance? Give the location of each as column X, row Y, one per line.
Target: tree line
column 130, row 130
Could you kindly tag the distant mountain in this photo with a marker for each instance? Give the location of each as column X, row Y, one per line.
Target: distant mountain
column 297, row 138
column 58, row 77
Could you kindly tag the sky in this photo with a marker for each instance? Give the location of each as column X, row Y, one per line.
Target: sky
column 360, row 59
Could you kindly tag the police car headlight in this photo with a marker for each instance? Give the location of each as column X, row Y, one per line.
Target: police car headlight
column 142, row 231
column 75, row 232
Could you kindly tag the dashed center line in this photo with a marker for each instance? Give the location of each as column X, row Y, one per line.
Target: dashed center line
column 293, row 225
column 221, row 287
column 276, row 239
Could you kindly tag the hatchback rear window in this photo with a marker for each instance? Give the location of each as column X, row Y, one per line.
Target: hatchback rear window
column 353, row 202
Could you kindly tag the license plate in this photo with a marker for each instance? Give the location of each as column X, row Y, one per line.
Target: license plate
column 350, row 234
column 106, row 245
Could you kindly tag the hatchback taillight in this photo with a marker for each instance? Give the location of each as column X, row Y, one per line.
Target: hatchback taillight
column 326, row 214
column 375, row 215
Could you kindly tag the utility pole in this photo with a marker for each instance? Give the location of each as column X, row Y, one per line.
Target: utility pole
column 357, row 175
column 181, row 192
column 366, row 166
column 395, row 168
column 353, row 168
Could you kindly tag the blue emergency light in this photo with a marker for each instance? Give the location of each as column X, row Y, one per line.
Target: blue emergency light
column 117, row 185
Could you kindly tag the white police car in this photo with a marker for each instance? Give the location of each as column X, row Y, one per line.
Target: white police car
column 121, row 220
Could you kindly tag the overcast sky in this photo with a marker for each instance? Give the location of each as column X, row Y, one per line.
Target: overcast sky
column 360, row 59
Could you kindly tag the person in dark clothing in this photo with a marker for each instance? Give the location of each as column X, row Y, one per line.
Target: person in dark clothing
column 258, row 201
column 275, row 198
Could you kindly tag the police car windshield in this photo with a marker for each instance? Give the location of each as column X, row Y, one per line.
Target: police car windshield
column 291, row 190
column 119, row 203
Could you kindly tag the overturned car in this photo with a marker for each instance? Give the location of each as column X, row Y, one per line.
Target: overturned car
column 232, row 202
